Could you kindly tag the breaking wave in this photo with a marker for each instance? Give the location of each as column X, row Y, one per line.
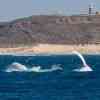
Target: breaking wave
column 17, row 67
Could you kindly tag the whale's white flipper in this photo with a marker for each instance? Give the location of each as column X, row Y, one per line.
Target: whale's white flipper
column 85, row 67
column 16, row 67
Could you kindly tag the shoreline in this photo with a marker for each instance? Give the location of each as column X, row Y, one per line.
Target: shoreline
column 56, row 49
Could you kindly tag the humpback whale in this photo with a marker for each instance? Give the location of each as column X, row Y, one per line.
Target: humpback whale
column 16, row 67
column 22, row 68
column 85, row 67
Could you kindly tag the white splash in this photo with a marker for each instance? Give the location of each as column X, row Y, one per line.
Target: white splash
column 53, row 68
column 17, row 67
column 34, row 69
column 85, row 67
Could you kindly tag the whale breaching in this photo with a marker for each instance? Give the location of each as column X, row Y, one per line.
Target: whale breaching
column 17, row 67
column 85, row 67
column 53, row 68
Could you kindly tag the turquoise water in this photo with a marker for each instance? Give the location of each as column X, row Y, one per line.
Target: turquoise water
column 56, row 85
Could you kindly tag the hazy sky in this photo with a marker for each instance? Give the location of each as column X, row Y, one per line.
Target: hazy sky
column 12, row 9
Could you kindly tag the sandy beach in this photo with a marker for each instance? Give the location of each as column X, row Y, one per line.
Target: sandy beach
column 51, row 49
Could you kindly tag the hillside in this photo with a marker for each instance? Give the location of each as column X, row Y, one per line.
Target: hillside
column 51, row 29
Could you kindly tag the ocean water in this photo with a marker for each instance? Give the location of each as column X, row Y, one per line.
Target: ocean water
column 54, row 85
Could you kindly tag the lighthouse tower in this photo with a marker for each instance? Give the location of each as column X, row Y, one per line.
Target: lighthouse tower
column 91, row 9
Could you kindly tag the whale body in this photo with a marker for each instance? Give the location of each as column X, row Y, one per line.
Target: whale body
column 16, row 67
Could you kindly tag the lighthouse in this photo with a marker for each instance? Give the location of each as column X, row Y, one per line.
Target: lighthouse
column 91, row 9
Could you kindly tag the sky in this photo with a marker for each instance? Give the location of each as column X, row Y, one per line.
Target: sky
column 12, row 9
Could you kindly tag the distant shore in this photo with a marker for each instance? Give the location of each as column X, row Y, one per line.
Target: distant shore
column 52, row 49
column 51, row 29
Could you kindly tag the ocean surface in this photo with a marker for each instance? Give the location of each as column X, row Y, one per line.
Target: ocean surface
column 50, row 85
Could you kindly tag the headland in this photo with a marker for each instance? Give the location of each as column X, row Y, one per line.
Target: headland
column 51, row 34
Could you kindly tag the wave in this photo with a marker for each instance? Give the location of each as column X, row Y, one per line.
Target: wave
column 17, row 67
